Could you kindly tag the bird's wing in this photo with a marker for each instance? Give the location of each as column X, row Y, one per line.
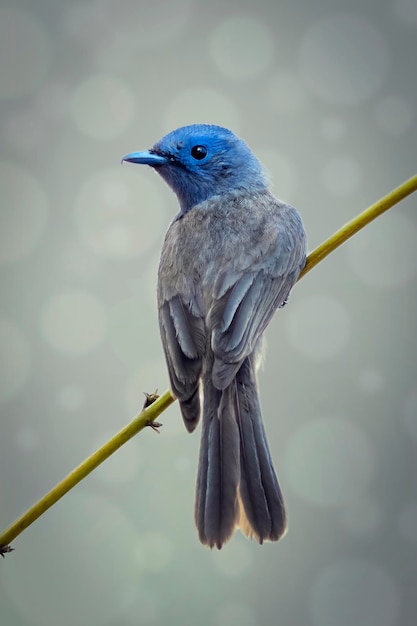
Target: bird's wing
column 183, row 338
column 245, row 300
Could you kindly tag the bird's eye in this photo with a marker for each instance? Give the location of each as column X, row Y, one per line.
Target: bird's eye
column 198, row 152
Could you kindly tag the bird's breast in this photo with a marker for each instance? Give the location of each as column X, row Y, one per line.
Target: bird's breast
column 216, row 236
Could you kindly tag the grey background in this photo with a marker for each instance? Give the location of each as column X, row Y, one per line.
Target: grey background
column 325, row 94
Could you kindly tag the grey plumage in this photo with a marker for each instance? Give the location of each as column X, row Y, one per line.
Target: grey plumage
column 228, row 262
column 215, row 302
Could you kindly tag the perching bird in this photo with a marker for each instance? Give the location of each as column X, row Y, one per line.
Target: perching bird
column 229, row 260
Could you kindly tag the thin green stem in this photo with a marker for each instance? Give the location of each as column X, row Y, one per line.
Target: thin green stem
column 359, row 222
column 146, row 417
column 149, row 414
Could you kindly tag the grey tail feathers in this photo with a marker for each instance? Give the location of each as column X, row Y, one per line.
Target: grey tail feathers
column 236, row 482
column 190, row 410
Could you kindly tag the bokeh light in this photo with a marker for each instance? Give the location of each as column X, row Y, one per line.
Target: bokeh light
column 237, row 559
column 102, row 107
column 25, row 52
column 27, row 439
column 73, row 322
column 354, row 591
column 341, row 175
column 377, row 261
column 334, row 128
column 128, row 23
column 71, row 397
column 235, row 614
column 362, row 516
column 14, row 359
column 406, row 11
column 230, row 51
column 324, row 93
column 281, row 172
column 112, row 221
column 202, row 105
column 23, row 218
column 407, row 523
column 371, row 380
column 410, row 414
column 100, row 534
column 330, row 462
column 120, row 468
column 319, row 327
column 286, row 92
column 395, row 114
column 153, row 552
column 343, row 59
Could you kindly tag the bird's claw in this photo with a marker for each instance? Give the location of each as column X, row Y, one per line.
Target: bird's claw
column 150, row 398
column 154, row 425
column 5, row 549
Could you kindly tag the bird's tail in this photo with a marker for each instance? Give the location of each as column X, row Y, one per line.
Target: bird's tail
column 236, row 482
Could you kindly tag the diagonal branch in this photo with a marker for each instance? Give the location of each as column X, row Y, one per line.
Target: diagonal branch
column 150, row 413
column 360, row 221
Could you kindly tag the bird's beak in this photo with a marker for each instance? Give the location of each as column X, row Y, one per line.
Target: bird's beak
column 145, row 158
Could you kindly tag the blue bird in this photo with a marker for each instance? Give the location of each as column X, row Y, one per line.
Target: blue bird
column 228, row 262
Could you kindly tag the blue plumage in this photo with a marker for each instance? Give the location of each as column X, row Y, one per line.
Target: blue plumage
column 229, row 260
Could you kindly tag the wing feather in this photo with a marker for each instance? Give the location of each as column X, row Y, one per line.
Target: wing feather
column 240, row 315
column 183, row 337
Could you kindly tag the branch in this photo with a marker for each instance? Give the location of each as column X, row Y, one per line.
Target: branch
column 145, row 418
column 150, row 413
column 359, row 222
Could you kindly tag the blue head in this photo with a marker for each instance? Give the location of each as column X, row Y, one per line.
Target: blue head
column 200, row 161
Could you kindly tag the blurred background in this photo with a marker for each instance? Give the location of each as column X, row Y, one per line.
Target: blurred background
column 325, row 93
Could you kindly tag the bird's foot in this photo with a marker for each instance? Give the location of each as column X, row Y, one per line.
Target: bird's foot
column 5, row 549
column 150, row 398
column 155, row 426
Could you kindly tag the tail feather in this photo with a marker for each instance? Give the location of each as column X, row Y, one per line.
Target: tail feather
column 262, row 512
column 216, row 506
column 190, row 410
column 236, row 481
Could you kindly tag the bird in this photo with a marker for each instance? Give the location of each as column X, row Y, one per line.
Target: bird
column 229, row 260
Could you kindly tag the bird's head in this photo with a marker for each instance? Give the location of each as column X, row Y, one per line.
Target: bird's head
column 201, row 161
